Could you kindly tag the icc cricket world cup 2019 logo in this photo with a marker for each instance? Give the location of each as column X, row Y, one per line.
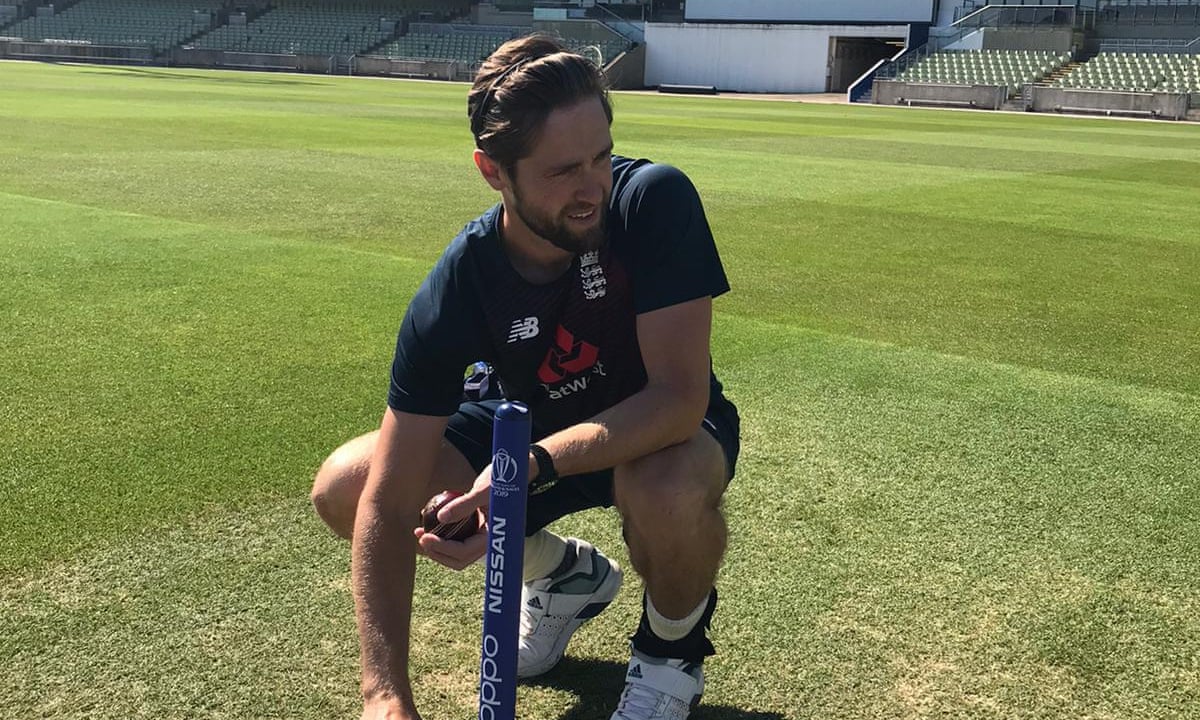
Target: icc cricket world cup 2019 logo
column 504, row 472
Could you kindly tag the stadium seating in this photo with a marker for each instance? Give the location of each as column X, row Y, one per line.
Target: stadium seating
column 474, row 47
column 1138, row 72
column 156, row 23
column 468, row 47
column 1011, row 68
column 307, row 28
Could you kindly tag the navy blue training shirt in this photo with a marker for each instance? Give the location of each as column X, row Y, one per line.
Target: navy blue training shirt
column 568, row 348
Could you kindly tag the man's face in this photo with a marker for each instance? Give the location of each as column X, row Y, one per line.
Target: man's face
column 562, row 188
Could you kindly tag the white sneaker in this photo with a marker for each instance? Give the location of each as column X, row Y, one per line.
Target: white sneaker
column 553, row 608
column 660, row 689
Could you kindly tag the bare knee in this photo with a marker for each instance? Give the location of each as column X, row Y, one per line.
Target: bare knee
column 339, row 483
column 670, row 503
column 674, row 487
column 667, row 502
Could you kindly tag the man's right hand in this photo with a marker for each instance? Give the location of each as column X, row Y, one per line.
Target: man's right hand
column 451, row 553
column 458, row 555
column 389, row 710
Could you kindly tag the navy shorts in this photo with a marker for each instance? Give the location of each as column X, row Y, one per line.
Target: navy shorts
column 470, row 430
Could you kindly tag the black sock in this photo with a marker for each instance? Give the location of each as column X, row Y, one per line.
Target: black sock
column 693, row 647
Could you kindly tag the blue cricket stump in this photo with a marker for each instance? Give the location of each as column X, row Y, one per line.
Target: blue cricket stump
column 505, row 555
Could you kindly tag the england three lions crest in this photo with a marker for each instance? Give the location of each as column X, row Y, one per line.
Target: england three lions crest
column 591, row 276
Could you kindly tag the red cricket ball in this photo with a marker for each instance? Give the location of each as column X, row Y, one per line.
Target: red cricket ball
column 460, row 530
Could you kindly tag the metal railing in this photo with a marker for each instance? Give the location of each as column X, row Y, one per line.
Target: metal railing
column 1040, row 17
column 1155, row 45
column 620, row 25
column 1164, row 12
column 972, row 7
column 994, row 15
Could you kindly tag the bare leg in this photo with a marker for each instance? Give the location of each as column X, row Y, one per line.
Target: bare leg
column 670, row 503
column 342, row 476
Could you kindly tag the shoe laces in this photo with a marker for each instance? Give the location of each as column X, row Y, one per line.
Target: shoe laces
column 639, row 701
column 645, row 698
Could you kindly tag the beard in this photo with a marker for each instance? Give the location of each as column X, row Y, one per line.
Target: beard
column 556, row 230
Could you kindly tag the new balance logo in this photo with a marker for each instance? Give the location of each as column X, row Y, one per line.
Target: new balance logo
column 635, row 672
column 535, row 603
column 524, row 329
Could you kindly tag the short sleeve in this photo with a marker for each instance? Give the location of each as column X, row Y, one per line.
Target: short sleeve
column 438, row 338
column 675, row 258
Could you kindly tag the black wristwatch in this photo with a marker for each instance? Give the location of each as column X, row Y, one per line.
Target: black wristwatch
column 546, row 475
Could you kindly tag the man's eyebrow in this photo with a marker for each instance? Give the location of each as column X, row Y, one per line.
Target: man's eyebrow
column 569, row 166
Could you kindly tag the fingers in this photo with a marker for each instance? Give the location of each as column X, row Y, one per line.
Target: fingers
column 463, row 505
column 452, row 554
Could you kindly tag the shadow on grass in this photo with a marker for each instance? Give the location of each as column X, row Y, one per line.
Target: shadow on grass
column 176, row 75
column 598, row 685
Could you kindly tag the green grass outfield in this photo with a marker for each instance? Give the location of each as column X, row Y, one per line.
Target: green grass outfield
column 966, row 348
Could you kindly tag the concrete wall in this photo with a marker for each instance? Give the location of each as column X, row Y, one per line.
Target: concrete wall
column 1127, row 31
column 1056, row 40
column 589, row 30
column 628, row 71
column 750, row 57
column 781, row 11
column 1173, row 106
column 945, row 12
column 250, row 61
column 428, row 69
column 75, row 52
column 489, row 15
column 984, row 97
column 970, row 41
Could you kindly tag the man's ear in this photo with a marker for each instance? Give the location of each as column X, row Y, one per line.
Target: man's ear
column 490, row 170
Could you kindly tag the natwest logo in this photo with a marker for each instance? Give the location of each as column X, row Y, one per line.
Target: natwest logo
column 567, row 356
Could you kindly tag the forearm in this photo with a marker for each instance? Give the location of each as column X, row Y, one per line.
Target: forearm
column 383, row 560
column 654, row 418
column 383, row 566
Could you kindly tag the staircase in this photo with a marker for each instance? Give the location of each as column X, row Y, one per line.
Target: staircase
column 1058, row 74
column 215, row 20
column 396, row 33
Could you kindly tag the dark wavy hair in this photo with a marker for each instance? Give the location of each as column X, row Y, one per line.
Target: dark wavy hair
column 518, row 87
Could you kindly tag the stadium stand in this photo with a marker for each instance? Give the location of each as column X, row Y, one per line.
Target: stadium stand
column 1130, row 56
column 1136, row 72
column 309, row 28
column 468, row 47
column 1010, row 68
column 472, row 44
column 8, row 15
column 158, row 24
